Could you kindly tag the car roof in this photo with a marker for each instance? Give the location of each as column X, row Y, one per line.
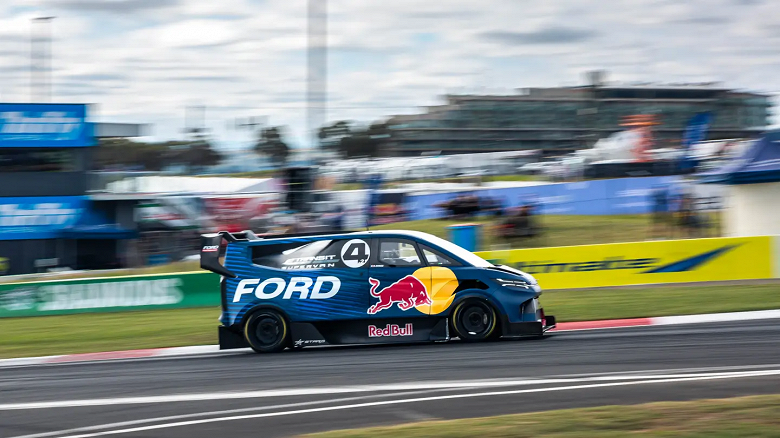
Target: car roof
column 356, row 234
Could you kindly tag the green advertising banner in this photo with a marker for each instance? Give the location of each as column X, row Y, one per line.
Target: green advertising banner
column 110, row 294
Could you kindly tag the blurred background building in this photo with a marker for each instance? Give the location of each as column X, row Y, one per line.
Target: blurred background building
column 561, row 120
column 46, row 218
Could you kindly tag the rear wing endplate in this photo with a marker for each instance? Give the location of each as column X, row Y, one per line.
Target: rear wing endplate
column 210, row 250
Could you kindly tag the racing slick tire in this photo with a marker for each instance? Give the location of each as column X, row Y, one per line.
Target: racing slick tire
column 267, row 331
column 475, row 321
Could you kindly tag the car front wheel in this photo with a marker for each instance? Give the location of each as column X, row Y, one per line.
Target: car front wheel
column 474, row 321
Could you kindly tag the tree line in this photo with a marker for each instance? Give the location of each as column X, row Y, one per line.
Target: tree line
column 346, row 138
column 125, row 154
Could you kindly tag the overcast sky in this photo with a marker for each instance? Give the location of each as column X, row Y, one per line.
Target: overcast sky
column 146, row 60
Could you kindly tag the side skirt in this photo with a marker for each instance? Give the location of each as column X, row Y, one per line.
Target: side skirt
column 370, row 331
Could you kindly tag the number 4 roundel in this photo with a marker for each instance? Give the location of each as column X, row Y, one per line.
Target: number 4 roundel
column 355, row 253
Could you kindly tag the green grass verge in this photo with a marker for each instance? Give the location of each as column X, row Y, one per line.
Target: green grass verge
column 755, row 416
column 557, row 230
column 468, row 179
column 348, row 186
column 638, row 302
column 48, row 335
column 513, row 178
column 93, row 332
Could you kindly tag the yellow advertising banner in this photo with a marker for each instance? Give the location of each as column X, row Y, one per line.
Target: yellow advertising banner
column 621, row 264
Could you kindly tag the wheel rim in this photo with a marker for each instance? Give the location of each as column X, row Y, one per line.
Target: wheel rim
column 267, row 330
column 476, row 320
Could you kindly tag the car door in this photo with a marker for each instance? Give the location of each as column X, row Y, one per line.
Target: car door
column 397, row 280
column 442, row 279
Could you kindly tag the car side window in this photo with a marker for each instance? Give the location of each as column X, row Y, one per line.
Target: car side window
column 436, row 258
column 398, row 253
column 312, row 255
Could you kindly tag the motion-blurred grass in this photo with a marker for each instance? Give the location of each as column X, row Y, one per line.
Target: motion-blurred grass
column 638, row 302
column 94, row 332
column 468, row 179
column 49, row 335
column 755, row 416
column 557, row 230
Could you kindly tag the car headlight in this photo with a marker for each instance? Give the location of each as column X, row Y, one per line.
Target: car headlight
column 513, row 283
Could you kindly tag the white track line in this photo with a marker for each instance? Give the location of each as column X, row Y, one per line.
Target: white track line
column 417, row 400
column 414, row 386
column 716, row 317
column 213, row 413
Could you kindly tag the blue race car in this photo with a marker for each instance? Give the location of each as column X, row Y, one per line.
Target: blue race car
column 364, row 288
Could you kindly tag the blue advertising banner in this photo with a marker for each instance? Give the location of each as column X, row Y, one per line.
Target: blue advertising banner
column 39, row 217
column 598, row 197
column 44, row 125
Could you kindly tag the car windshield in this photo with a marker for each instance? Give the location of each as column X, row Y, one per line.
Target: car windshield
column 466, row 256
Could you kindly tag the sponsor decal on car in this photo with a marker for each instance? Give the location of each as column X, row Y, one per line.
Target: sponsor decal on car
column 211, row 248
column 314, row 262
column 390, row 330
column 302, row 342
column 406, row 292
column 270, row 288
column 355, row 253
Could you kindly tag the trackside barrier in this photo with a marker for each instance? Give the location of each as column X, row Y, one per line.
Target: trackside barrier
column 618, row 264
column 142, row 292
column 653, row 262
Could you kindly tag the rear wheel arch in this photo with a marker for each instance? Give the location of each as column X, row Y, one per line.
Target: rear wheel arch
column 258, row 308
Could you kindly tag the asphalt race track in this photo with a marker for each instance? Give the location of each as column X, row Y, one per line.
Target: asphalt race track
column 317, row 389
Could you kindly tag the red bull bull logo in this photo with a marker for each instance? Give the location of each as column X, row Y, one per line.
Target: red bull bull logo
column 390, row 330
column 407, row 292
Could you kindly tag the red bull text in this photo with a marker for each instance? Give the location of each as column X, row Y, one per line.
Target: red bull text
column 390, row 330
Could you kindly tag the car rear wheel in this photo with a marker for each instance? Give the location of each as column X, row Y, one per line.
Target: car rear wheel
column 266, row 331
column 474, row 321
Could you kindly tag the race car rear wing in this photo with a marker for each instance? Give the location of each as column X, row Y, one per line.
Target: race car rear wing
column 210, row 250
column 244, row 236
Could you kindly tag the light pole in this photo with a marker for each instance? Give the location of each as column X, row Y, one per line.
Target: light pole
column 40, row 59
column 317, row 71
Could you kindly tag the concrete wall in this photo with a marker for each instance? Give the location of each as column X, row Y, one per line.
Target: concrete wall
column 752, row 210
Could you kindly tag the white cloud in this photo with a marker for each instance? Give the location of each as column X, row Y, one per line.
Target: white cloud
column 145, row 61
